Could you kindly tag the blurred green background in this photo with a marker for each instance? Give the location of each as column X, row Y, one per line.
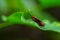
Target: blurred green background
column 11, row 31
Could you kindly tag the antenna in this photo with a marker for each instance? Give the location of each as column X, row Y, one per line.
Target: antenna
column 30, row 12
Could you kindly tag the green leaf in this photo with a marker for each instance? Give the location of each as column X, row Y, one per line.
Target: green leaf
column 21, row 18
column 25, row 19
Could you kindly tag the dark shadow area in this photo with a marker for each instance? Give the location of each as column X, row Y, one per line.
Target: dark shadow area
column 22, row 32
column 54, row 11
